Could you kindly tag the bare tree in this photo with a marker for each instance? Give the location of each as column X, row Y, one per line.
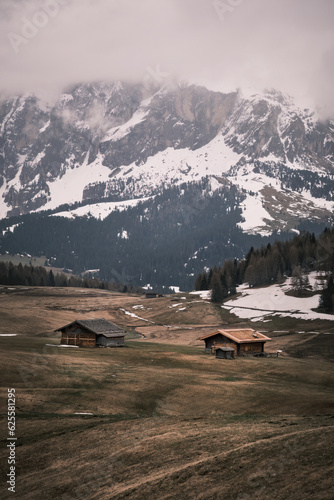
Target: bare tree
column 299, row 281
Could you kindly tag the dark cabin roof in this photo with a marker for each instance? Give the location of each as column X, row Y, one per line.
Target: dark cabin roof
column 97, row 326
column 240, row 335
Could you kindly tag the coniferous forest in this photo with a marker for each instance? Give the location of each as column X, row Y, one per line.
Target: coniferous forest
column 161, row 242
column 164, row 242
column 11, row 274
column 272, row 263
column 266, row 265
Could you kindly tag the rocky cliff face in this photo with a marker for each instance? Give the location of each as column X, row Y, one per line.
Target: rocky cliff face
column 270, row 124
column 121, row 140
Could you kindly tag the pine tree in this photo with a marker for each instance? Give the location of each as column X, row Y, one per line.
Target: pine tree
column 209, row 279
column 217, row 289
column 327, row 297
column 198, row 282
column 51, row 279
column 204, row 283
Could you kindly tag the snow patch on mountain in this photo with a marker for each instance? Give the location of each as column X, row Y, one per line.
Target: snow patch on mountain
column 14, row 183
column 69, row 188
column 175, row 166
column 43, row 129
column 255, row 216
column 117, row 133
column 101, row 210
column 124, row 235
column 121, row 141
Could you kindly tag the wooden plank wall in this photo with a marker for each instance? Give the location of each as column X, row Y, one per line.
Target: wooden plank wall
column 251, row 348
column 80, row 338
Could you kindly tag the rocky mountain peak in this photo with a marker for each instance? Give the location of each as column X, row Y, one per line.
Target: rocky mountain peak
column 120, row 140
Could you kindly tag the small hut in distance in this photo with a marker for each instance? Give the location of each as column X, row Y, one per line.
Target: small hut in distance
column 92, row 333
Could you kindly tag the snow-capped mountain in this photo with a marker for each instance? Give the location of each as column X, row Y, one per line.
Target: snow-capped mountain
column 113, row 142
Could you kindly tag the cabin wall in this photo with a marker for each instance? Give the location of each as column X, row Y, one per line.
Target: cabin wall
column 225, row 341
column 75, row 335
column 224, row 354
column 101, row 340
column 252, row 348
column 215, row 340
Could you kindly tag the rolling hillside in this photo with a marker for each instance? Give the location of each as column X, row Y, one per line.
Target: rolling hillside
column 160, row 418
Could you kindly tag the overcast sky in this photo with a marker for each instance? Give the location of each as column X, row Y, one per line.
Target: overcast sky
column 225, row 44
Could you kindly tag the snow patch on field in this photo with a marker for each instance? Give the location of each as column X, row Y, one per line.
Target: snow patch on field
column 204, row 294
column 137, row 317
column 62, row 345
column 257, row 304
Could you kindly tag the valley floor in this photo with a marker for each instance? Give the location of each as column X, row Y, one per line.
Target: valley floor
column 160, row 419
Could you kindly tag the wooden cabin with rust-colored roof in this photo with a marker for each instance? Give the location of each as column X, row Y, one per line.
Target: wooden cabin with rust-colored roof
column 92, row 333
column 243, row 341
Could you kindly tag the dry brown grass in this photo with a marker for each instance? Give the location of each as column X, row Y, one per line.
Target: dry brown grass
column 168, row 420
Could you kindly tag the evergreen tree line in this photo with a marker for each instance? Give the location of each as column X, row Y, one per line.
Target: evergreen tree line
column 11, row 274
column 272, row 263
column 167, row 240
column 164, row 242
column 326, row 302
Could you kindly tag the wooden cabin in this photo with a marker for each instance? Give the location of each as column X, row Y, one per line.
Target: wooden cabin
column 92, row 333
column 243, row 341
column 151, row 295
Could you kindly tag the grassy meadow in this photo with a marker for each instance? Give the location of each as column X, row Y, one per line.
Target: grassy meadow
column 161, row 420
